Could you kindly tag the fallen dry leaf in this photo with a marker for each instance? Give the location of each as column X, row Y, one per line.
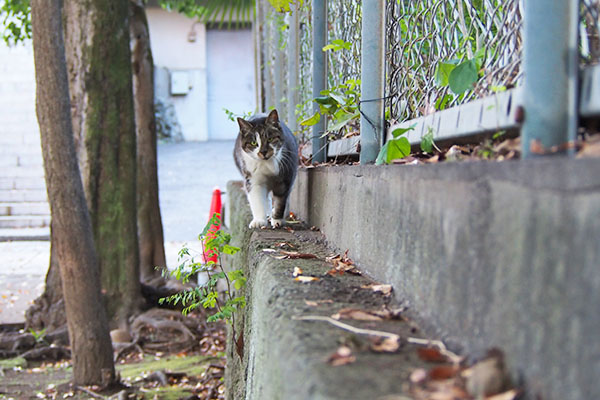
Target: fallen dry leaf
column 387, row 345
column 342, row 356
column 384, row 289
column 342, row 264
column 443, row 372
column 487, row 377
column 431, row 354
column 306, row 279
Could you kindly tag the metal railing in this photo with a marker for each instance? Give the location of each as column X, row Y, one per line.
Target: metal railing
column 424, row 45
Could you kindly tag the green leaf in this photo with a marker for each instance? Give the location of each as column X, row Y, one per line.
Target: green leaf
column 401, row 131
column 463, row 77
column 312, row 120
column 398, row 148
column 442, row 73
column 341, row 119
column 228, row 249
column 443, row 101
column 427, row 142
column 382, row 156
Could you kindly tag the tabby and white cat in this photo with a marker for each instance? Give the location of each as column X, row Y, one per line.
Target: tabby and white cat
column 266, row 153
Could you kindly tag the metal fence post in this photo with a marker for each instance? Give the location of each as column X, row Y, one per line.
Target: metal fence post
column 267, row 62
column 319, row 75
column 372, row 80
column 278, row 70
column 293, row 63
column 550, row 63
column 258, row 58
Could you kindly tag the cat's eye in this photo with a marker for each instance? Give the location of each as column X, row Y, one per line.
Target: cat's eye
column 253, row 144
column 271, row 140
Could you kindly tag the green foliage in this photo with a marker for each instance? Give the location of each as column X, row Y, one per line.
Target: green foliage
column 427, row 142
column 459, row 76
column 339, row 104
column 284, row 5
column 215, row 242
column 16, row 20
column 233, row 116
column 38, row 336
column 337, row 45
column 231, row 12
column 396, row 148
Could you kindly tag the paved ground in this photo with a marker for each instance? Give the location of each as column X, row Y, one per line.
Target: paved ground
column 188, row 173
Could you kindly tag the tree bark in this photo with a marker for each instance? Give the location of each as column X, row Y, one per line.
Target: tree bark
column 100, row 76
column 71, row 226
column 150, row 229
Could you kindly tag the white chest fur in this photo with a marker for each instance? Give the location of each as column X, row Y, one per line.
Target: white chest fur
column 261, row 170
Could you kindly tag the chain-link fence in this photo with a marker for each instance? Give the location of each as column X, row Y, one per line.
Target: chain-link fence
column 428, row 38
column 344, row 31
column 438, row 53
column 590, row 32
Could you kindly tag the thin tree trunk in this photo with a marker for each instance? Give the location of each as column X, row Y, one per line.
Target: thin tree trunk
column 71, row 227
column 150, row 230
column 99, row 60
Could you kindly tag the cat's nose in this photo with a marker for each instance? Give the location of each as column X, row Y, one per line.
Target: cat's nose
column 263, row 153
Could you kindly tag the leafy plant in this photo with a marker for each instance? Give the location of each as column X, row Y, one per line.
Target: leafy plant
column 459, row 76
column 38, row 336
column 398, row 147
column 339, row 104
column 427, row 142
column 233, row 116
column 216, row 242
column 16, row 20
column 217, row 11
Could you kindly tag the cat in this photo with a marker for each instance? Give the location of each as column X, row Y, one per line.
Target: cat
column 266, row 153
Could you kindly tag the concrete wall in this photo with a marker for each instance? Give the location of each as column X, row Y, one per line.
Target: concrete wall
column 487, row 254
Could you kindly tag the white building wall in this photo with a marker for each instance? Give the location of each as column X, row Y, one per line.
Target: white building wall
column 173, row 52
column 18, row 121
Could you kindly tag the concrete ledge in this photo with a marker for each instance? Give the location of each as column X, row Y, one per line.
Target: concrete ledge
column 488, row 254
column 284, row 358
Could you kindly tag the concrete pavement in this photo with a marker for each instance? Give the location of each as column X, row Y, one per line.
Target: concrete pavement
column 187, row 171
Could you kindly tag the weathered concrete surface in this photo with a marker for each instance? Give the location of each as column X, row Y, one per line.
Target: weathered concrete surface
column 284, row 358
column 489, row 255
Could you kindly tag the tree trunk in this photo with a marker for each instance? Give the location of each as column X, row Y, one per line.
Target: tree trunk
column 99, row 60
column 150, row 230
column 71, row 225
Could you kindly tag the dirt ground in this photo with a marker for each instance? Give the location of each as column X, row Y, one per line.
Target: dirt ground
column 186, row 373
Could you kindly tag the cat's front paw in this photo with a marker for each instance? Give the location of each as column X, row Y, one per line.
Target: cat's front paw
column 276, row 223
column 257, row 223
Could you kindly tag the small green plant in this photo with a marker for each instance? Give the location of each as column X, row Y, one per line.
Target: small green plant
column 398, row 147
column 38, row 336
column 233, row 116
column 339, row 104
column 216, row 242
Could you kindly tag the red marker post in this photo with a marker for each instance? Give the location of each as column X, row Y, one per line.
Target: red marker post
column 215, row 208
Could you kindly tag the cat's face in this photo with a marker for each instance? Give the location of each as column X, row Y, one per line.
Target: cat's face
column 261, row 139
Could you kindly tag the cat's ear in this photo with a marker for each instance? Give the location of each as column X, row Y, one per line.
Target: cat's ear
column 273, row 117
column 245, row 126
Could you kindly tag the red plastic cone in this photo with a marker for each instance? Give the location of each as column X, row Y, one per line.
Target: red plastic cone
column 215, row 208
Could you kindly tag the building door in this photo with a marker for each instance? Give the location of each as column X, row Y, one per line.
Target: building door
column 230, row 79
